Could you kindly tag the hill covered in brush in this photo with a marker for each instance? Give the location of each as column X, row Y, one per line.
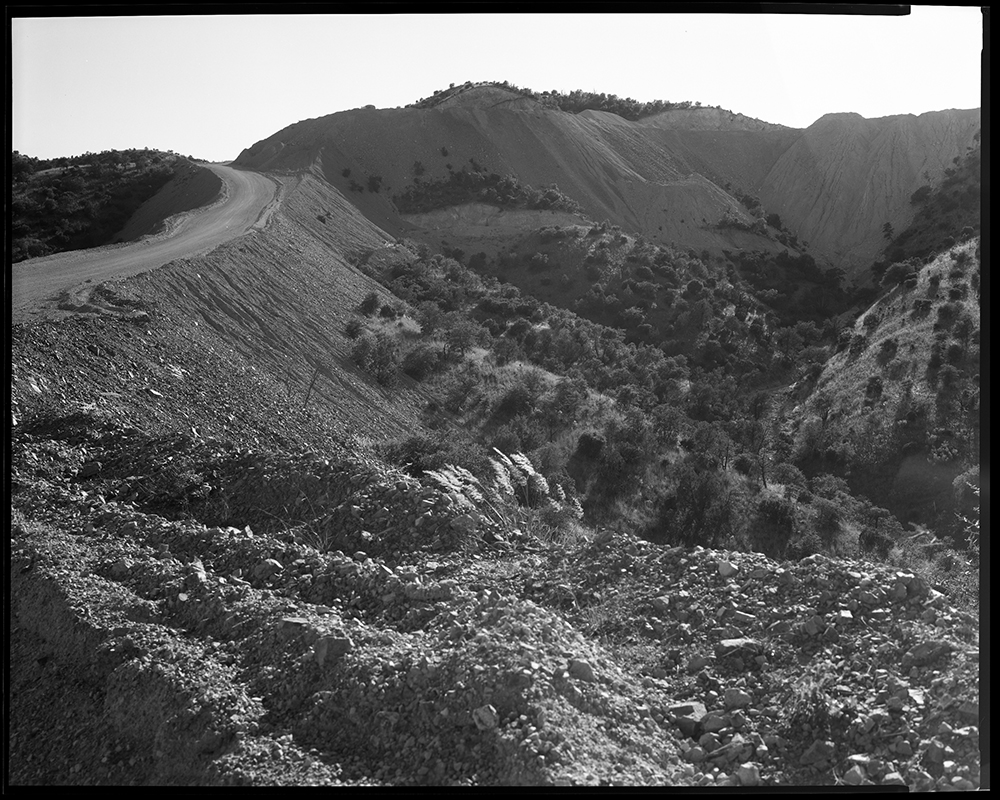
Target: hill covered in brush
column 84, row 201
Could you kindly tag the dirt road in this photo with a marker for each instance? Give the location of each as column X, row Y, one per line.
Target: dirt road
column 39, row 284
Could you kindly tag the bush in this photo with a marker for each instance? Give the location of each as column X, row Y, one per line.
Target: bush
column 370, row 304
column 421, row 361
column 590, row 445
column 379, row 357
column 827, row 515
column 354, row 328
column 374, row 183
column 858, row 345
column 743, row 464
column 772, row 526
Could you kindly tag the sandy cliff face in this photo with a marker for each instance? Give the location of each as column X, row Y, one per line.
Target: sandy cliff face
column 835, row 184
column 847, row 176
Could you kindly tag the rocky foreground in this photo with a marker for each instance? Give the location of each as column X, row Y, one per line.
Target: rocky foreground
column 358, row 629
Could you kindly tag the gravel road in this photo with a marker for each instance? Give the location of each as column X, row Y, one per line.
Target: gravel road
column 40, row 283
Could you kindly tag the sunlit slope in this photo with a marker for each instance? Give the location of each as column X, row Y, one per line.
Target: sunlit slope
column 846, row 176
column 281, row 297
column 645, row 177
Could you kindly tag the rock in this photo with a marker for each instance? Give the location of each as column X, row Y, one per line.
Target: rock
column 926, row 653
column 817, row 754
column 740, row 646
column 582, row 670
column 661, row 604
column 814, row 626
column 267, row 568
column 331, row 648
column 742, row 618
column 486, row 717
column 695, row 755
column 689, row 717
column 727, row 569
column 893, row 779
column 855, row 776
column 713, row 722
column 465, row 524
column 736, row 698
column 292, row 624
column 935, row 752
column 89, row 469
column 698, row 662
column 748, row 774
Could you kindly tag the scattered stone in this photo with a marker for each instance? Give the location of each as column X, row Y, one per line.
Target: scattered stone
column 741, row 646
column 926, row 653
column 582, row 670
column 748, row 774
column 267, row 568
column 855, row 776
column 736, row 698
column 331, row 648
column 698, row 663
column 818, row 754
column 695, row 755
column 727, row 569
column 486, row 717
column 713, row 722
column 661, row 604
column 89, row 470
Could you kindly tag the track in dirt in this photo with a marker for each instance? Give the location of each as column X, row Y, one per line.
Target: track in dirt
column 39, row 283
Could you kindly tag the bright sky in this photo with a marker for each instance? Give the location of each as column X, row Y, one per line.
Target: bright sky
column 210, row 86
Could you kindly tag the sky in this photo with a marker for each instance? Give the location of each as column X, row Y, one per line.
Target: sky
column 211, row 86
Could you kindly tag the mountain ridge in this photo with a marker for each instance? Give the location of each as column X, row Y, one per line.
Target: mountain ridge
column 835, row 183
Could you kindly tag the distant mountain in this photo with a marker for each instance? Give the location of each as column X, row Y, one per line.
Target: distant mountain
column 705, row 178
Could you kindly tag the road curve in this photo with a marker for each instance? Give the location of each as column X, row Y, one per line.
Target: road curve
column 245, row 203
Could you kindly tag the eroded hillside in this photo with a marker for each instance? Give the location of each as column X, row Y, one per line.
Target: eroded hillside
column 326, row 507
column 671, row 177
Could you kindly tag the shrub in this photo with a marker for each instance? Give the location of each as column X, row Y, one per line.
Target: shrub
column 379, row 357
column 421, row 361
column 370, row 304
column 590, row 445
column 743, row 464
column 827, row 515
column 858, row 345
column 888, row 349
column 947, row 314
column 354, row 328
column 772, row 526
column 873, row 389
column 788, row 474
column 374, row 183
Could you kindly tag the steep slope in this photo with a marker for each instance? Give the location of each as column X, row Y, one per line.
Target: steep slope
column 847, row 176
column 896, row 409
column 633, row 174
column 671, row 177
